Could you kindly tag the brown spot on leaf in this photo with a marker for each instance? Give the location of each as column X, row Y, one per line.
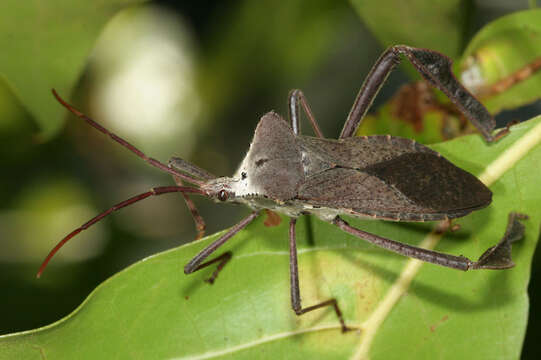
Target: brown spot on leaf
column 273, row 219
column 442, row 320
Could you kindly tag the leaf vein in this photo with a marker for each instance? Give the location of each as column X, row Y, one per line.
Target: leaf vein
column 508, row 159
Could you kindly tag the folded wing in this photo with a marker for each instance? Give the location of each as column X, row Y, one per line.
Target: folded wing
column 417, row 185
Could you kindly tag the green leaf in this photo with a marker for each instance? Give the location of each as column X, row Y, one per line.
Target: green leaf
column 46, row 45
column 419, row 23
column 427, row 127
column 502, row 62
column 153, row 310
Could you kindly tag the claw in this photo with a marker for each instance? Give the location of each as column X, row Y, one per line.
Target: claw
column 498, row 257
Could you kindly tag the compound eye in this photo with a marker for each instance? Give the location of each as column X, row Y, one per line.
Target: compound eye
column 223, row 195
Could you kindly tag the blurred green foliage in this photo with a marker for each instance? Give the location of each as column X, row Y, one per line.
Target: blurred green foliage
column 47, row 45
column 419, row 23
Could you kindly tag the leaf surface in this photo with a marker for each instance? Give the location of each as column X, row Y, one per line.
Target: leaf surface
column 153, row 310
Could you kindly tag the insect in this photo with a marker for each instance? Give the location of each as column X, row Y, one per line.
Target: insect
column 379, row 177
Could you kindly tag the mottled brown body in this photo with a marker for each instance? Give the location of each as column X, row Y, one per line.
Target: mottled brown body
column 377, row 176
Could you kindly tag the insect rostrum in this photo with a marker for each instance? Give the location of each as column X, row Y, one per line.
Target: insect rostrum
column 379, row 177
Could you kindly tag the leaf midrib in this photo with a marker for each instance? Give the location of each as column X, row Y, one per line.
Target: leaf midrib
column 493, row 171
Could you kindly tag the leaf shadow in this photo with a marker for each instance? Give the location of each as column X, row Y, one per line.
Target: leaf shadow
column 309, row 228
column 498, row 284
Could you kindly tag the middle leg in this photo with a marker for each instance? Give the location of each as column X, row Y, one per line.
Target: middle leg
column 294, row 278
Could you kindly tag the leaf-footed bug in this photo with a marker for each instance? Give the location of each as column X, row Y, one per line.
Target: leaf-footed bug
column 379, row 177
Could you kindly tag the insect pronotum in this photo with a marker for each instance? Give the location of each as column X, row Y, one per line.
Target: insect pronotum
column 379, row 177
